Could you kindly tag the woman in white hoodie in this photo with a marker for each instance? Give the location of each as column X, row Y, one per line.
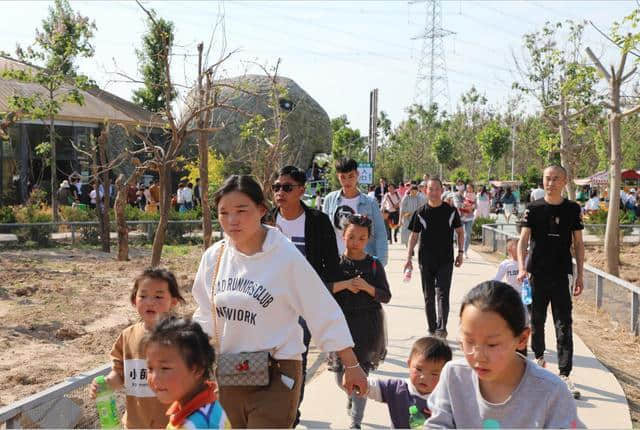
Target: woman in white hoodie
column 263, row 285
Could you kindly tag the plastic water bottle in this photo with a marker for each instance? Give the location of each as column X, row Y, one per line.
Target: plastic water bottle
column 416, row 418
column 106, row 405
column 526, row 292
column 407, row 276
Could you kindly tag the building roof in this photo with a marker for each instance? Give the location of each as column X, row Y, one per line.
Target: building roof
column 99, row 105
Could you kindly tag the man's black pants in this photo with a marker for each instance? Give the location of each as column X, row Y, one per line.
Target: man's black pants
column 555, row 290
column 307, row 340
column 436, row 281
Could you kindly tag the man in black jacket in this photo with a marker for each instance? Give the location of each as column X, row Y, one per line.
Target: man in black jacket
column 381, row 190
column 311, row 232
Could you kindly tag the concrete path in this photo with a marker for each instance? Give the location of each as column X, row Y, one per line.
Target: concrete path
column 603, row 404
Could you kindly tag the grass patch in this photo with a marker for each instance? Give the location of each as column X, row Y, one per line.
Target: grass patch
column 178, row 250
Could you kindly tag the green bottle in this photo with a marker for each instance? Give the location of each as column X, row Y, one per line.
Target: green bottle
column 106, row 405
column 416, row 418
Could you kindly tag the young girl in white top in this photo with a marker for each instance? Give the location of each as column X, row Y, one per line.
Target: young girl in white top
column 155, row 292
column 263, row 285
column 494, row 386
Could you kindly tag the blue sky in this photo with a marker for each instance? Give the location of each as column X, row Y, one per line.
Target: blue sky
column 337, row 51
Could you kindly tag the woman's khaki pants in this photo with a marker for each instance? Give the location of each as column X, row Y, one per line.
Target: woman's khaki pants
column 273, row 406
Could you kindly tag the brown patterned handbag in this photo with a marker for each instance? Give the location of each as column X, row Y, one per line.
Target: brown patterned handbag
column 239, row 369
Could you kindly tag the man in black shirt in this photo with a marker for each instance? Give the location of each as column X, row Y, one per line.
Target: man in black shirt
column 550, row 225
column 434, row 224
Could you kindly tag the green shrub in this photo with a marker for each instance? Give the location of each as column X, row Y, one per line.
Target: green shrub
column 71, row 214
column 6, row 215
column 37, row 233
column 478, row 222
column 600, row 217
column 134, row 214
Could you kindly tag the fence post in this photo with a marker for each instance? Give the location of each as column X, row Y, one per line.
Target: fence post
column 73, row 233
column 599, row 285
column 634, row 313
column 494, row 246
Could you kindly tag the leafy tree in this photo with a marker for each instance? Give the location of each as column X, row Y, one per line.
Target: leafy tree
column 460, row 173
column 346, row 141
column 413, row 138
column 561, row 82
column 64, row 38
column 443, row 150
column 494, row 141
column 215, row 170
column 472, row 114
column 151, row 66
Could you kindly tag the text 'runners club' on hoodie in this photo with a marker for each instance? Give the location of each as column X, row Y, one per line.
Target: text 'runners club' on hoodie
column 259, row 298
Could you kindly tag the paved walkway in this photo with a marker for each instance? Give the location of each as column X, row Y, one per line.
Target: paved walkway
column 603, row 404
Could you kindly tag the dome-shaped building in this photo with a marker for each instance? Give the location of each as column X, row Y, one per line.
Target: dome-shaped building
column 305, row 122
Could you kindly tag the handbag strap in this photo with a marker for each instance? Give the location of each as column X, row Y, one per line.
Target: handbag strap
column 214, row 315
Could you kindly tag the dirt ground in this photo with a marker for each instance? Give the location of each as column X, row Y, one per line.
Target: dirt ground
column 614, row 347
column 629, row 261
column 62, row 309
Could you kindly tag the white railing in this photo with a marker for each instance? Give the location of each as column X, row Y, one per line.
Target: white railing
column 606, row 290
column 65, row 405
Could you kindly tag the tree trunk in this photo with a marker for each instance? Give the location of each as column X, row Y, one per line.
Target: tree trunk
column 203, row 149
column 611, row 236
column 123, row 231
column 164, row 206
column 96, row 188
column 203, row 152
column 54, row 170
column 565, row 157
column 106, row 227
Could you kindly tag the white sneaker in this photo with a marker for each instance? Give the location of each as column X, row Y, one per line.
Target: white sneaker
column 572, row 388
column 540, row 361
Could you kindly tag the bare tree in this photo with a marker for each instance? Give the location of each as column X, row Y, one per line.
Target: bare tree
column 100, row 172
column 166, row 148
column 562, row 84
column 615, row 79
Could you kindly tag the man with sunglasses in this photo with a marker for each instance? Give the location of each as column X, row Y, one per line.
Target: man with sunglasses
column 311, row 232
column 348, row 200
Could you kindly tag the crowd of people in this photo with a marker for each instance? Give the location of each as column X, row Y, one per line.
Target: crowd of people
column 285, row 274
column 146, row 197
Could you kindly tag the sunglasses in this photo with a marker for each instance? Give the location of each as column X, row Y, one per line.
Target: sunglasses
column 287, row 188
column 361, row 220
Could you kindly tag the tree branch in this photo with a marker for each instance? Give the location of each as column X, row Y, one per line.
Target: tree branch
column 628, row 75
column 578, row 112
column 631, row 111
column 610, row 39
column 623, row 61
column 598, row 64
